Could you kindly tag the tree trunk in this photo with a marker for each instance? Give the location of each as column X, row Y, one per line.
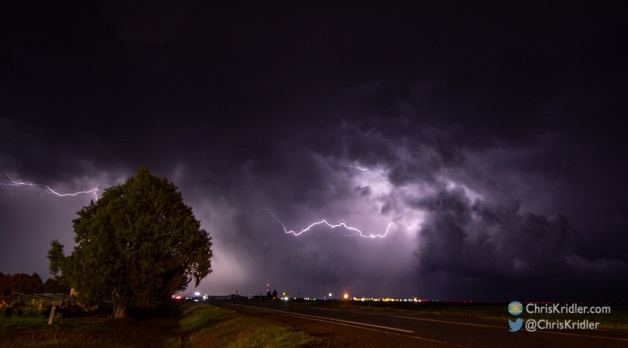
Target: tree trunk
column 119, row 311
column 120, row 303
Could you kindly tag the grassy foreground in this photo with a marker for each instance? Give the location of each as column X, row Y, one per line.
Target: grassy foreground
column 205, row 324
column 187, row 325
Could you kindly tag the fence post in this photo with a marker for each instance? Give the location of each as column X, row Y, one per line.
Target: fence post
column 52, row 315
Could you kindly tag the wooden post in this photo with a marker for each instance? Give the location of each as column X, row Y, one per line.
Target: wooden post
column 52, row 315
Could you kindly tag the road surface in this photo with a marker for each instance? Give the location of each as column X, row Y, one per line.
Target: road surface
column 340, row 327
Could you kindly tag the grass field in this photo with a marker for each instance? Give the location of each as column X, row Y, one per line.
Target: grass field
column 185, row 325
column 203, row 323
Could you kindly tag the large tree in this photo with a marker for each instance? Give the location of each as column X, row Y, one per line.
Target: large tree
column 136, row 245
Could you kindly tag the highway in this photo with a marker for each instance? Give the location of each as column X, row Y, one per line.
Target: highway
column 340, row 327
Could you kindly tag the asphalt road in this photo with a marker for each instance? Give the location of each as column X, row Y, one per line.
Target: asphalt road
column 361, row 328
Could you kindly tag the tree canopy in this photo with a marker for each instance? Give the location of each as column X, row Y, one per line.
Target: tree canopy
column 136, row 245
column 20, row 282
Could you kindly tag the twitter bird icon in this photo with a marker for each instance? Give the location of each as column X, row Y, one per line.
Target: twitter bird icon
column 515, row 325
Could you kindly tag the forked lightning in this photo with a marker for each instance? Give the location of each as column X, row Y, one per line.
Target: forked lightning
column 47, row 189
column 353, row 232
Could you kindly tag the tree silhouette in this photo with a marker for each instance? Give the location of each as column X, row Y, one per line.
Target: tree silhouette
column 20, row 282
column 56, row 286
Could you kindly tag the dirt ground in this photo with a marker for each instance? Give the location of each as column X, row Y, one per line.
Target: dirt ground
column 93, row 330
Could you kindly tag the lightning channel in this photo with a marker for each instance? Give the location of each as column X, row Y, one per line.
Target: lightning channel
column 350, row 231
column 47, row 189
column 358, row 167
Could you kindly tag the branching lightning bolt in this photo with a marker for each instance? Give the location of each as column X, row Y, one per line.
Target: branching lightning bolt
column 47, row 189
column 353, row 232
column 358, row 167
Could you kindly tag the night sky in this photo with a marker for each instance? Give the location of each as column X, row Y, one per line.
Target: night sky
column 488, row 136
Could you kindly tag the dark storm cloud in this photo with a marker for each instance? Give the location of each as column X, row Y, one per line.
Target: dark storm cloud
column 472, row 224
column 489, row 138
column 475, row 227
